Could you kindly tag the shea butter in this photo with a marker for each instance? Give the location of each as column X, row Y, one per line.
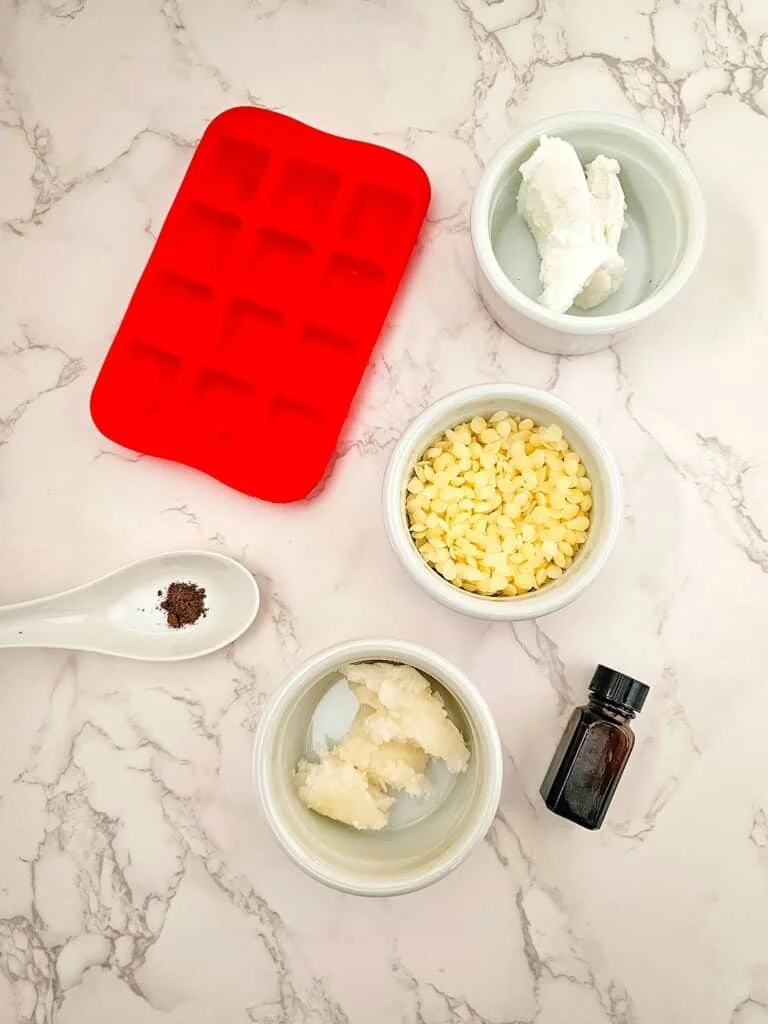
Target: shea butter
column 400, row 724
column 576, row 217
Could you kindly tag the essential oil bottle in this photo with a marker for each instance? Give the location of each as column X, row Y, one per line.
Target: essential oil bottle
column 594, row 750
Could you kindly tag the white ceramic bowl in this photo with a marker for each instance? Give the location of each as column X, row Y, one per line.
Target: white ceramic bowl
column 399, row 858
column 661, row 244
column 542, row 408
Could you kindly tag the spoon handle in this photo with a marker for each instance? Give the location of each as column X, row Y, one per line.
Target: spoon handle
column 41, row 624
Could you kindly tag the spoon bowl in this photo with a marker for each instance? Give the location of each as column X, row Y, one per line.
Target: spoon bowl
column 120, row 613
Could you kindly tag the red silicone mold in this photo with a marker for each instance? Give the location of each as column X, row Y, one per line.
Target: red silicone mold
column 250, row 328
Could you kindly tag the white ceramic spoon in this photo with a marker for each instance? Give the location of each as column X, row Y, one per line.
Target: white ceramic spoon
column 119, row 614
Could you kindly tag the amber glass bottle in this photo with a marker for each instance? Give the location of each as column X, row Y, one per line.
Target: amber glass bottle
column 594, row 750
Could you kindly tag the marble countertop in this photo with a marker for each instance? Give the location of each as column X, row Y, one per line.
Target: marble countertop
column 138, row 881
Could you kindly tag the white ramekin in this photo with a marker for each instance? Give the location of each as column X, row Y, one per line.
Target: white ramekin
column 662, row 244
column 542, row 408
column 398, row 859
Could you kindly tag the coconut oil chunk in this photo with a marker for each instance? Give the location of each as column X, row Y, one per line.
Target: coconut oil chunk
column 576, row 217
column 407, row 709
column 338, row 790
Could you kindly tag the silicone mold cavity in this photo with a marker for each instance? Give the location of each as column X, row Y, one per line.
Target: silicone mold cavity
column 152, row 375
column 205, row 237
column 279, row 264
column 235, row 170
column 224, row 403
column 249, row 326
column 376, row 216
column 186, row 303
column 306, row 192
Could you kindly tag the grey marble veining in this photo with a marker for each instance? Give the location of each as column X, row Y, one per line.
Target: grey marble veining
column 138, row 881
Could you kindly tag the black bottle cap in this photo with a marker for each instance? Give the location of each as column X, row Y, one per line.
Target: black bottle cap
column 614, row 686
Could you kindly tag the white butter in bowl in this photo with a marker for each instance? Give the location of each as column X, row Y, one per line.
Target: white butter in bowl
column 589, row 217
column 400, row 749
column 429, row 830
column 576, row 217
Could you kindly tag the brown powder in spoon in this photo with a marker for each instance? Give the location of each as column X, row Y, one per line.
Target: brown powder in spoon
column 184, row 604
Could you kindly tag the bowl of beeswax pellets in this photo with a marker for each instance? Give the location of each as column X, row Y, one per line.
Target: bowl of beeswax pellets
column 502, row 502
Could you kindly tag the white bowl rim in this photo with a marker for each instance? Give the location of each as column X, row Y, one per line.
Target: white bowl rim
column 306, row 675
column 567, row 323
column 517, row 609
